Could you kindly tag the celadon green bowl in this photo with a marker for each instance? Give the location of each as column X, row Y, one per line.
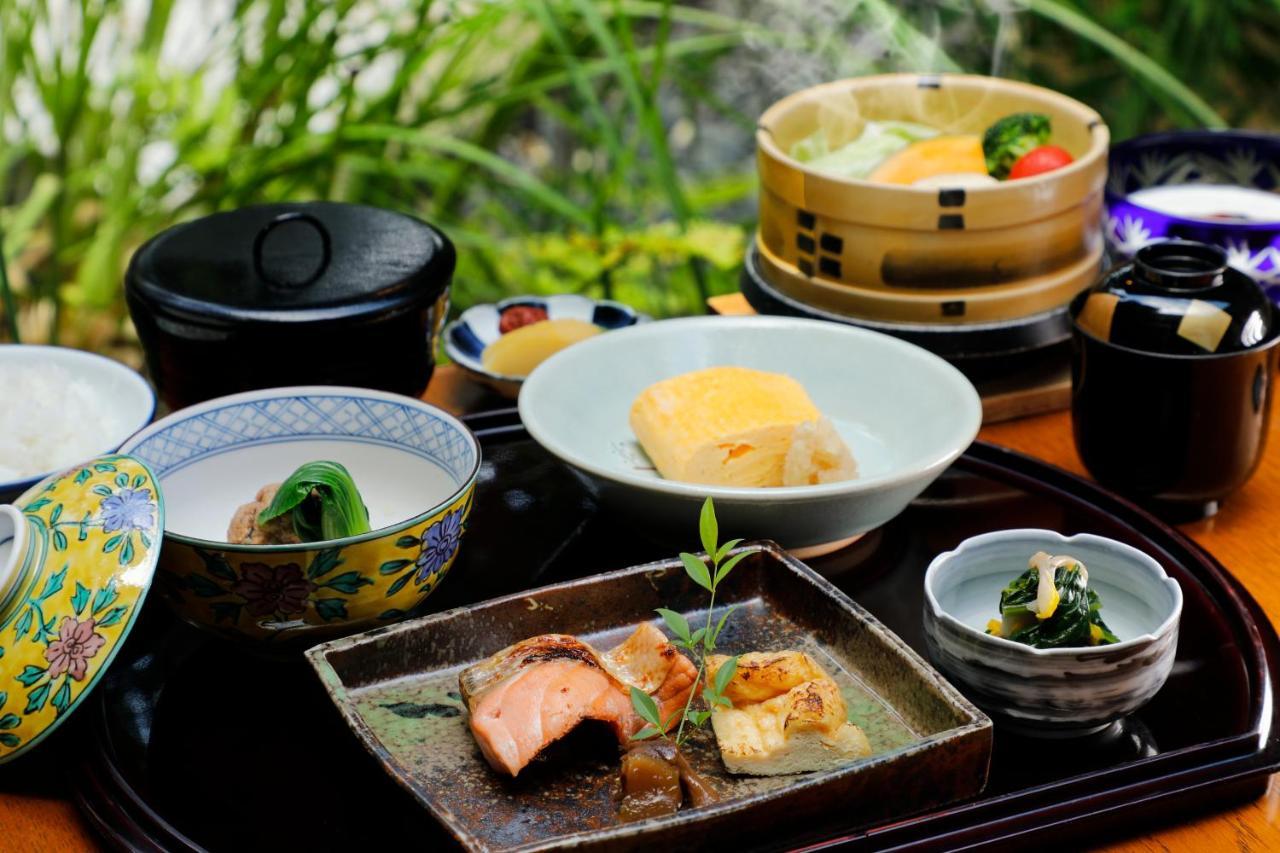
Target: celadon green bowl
column 414, row 464
column 905, row 413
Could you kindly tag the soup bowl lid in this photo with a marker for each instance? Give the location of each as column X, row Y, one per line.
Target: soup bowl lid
column 1177, row 297
column 292, row 262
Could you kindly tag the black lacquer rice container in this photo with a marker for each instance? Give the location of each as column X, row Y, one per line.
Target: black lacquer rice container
column 313, row 293
column 1173, row 359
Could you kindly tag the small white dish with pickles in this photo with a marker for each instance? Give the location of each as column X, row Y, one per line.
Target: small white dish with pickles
column 498, row 344
column 656, row 418
column 1052, row 655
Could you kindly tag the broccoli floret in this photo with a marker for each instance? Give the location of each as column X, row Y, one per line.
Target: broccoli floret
column 1010, row 138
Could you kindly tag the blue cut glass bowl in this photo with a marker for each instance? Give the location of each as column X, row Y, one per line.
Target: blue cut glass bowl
column 1235, row 157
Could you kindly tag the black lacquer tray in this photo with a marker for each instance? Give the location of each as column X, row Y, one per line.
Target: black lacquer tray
column 196, row 745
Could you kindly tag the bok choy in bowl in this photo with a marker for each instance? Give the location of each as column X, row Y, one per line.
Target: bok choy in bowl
column 361, row 503
column 318, row 501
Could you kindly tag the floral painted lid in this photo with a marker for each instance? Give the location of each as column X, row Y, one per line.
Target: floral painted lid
column 77, row 554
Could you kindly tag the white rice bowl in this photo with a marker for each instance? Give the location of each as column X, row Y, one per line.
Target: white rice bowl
column 61, row 407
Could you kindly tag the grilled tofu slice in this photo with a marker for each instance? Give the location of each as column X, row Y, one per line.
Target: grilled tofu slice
column 787, row 717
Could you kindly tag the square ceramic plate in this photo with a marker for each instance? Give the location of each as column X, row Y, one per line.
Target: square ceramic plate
column 397, row 687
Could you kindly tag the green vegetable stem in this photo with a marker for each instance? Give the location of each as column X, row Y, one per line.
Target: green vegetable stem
column 335, row 511
column 701, row 643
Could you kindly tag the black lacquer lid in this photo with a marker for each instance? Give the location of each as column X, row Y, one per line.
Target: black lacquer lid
column 293, row 263
column 1177, row 298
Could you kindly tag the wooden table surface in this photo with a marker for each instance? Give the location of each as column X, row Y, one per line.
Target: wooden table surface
column 1245, row 537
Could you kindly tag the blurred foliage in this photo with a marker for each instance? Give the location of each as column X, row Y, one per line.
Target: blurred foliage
column 1223, row 50
column 601, row 146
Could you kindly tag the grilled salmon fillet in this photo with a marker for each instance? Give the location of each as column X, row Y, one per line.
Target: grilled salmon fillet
column 533, row 693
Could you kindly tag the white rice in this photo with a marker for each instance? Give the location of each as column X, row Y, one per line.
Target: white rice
column 50, row 420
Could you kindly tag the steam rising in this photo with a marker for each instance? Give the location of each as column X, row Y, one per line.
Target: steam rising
column 795, row 44
column 802, row 43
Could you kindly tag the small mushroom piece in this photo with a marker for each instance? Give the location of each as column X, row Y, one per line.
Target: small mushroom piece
column 697, row 789
column 657, row 778
column 650, row 781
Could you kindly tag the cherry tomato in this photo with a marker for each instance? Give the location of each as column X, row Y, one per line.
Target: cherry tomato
column 1037, row 161
column 520, row 315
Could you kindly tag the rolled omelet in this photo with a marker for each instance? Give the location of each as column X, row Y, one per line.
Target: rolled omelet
column 788, row 716
column 734, row 426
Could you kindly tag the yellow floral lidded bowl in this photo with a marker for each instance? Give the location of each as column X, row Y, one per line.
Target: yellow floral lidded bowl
column 77, row 555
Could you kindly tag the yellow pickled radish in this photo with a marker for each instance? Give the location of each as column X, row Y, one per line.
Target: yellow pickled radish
column 519, row 351
column 1047, row 596
column 1047, row 600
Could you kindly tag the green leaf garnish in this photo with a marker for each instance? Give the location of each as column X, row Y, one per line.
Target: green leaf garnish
column 677, row 623
column 337, row 510
column 708, row 528
column 700, row 642
column 728, row 565
column 725, row 674
column 726, row 548
column 720, row 627
column 646, row 707
column 697, row 570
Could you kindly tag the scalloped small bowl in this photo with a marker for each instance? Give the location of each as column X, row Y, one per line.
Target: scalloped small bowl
column 466, row 338
column 124, row 390
column 414, row 464
column 1062, row 692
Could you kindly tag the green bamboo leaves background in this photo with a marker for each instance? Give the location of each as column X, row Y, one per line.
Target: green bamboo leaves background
column 601, row 146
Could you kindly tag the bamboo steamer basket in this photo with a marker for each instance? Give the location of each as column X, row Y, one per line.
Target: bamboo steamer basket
column 903, row 254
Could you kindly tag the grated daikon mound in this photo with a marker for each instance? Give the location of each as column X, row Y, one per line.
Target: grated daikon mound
column 50, row 420
column 817, row 455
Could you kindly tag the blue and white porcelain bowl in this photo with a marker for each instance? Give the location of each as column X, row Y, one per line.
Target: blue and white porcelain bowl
column 123, row 402
column 466, row 338
column 1052, row 692
column 1176, row 185
column 414, row 464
